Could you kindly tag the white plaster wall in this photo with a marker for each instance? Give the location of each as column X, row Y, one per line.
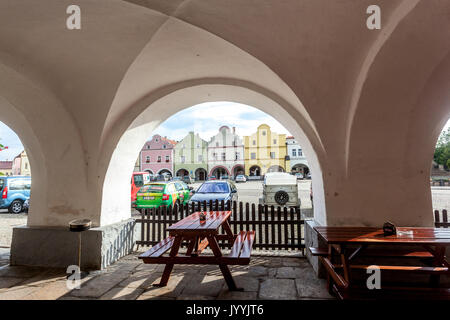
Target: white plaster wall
column 75, row 98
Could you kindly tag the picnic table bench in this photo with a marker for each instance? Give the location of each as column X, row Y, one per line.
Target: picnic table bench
column 426, row 244
column 200, row 235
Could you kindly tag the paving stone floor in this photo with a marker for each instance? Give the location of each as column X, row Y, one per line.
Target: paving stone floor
column 265, row 278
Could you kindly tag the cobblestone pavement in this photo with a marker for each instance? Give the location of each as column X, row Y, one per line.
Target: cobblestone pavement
column 7, row 223
column 265, row 278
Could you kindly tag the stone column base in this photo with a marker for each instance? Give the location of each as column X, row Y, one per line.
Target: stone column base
column 58, row 247
column 312, row 240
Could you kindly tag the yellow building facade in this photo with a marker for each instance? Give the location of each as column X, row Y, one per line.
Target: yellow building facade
column 265, row 151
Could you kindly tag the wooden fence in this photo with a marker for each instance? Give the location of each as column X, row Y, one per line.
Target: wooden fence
column 441, row 222
column 276, row 228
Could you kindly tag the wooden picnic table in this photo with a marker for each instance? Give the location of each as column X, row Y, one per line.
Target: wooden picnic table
column 199, row 235
column 425, row 243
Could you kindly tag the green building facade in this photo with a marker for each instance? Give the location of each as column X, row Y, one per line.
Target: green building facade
column 190, row 156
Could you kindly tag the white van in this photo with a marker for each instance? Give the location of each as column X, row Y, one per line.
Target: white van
column 280, row 189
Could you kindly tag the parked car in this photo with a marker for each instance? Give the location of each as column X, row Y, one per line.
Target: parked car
column 158, row 194
column 215, row 190
column 26, row 205
column 138, row 180
column 308, row 175
column 187, row 179
column 211, row 178
column 280, row 189
column 240, row 178
column 299, row 175
column 14, row 191
column 224, row 178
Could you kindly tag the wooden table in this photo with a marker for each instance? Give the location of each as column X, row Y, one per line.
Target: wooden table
column 431, row 243
column 199, row 235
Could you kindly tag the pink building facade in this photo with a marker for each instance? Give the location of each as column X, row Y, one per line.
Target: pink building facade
column 157, row 155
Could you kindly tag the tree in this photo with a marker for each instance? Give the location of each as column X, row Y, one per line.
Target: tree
column 442, row 152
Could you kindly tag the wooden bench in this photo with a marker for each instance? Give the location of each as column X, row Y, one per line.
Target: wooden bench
column 239, row 255
column 404, row 253
column 409, row 269
column 392, row 293
column 242, row 248
column 317, row 252
column 150, row 256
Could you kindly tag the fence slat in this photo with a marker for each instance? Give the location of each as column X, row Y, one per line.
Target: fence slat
column 292, row 217
column 276, row 228
column 266, row 226
column 285, row 226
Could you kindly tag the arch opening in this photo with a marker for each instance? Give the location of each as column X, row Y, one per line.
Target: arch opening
column 145, row 123
column 15, row 183
column 200, row 174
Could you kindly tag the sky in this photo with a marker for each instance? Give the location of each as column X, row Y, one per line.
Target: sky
column 205, row 119
column 10, row 139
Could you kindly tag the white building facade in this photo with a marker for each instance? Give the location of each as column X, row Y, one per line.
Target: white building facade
column 225, row 153
column 297, row 156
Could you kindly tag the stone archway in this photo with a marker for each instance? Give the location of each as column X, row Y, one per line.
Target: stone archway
column 200, row 174
column 165, row 172
column 300, row 168
column 182, row 173
column 237, row 170
column 255, row 171
column 219, row 171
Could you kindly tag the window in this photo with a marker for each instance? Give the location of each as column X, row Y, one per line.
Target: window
column 221, row 187
column 254, row 142
column 272, row 155
column 294, row 152
column 183, row 159
column 274, row 141
column 200, row 158
column 234, row 143
column 138, row 180
column 178, row 186
column 17, row 185
column 26, row 166
column 147, row 159
column 198, row 145
column 236, row 156
column 253, row 155
column 164, row 146
column 148, row 146
column 224, row 156
column 217, row 144
column 264, row 132
column 167, row 158
column 159, row 158
column 214, row 156
column 300, row 152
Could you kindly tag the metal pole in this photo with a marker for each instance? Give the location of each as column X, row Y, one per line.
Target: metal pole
column 79, row 250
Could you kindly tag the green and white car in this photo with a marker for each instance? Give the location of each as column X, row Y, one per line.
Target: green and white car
column 162, row 193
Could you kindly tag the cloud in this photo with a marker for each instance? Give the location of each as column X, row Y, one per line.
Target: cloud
column 207, row 118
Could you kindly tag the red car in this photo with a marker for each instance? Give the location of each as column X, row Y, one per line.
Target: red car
column 137, row 181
